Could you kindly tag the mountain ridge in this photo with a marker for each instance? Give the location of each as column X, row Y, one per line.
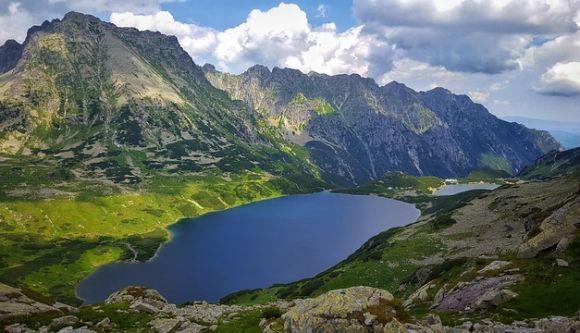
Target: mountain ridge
column 395, row 119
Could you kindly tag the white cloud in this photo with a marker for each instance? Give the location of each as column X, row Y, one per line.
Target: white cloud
column 488, row 36
column 491, row 16
column 280, row 36
column 561, row 79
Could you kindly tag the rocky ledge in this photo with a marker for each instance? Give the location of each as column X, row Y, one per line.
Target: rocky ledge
column 140, row 309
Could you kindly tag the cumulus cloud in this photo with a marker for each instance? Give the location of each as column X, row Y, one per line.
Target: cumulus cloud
column 491, row 16
column 280, row 36
column 467, row 35
column 562, row 79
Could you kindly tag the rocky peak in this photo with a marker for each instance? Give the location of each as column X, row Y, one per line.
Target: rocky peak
column 10, row 52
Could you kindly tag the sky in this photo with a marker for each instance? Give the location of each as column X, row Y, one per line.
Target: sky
column 516, row 57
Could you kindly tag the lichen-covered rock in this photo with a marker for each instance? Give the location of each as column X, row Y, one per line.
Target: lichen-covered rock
column 357, row 309
column 139, row 298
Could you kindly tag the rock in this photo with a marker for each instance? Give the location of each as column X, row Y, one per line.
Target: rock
column 104, row 324
column 144, row 307
column 560, row 224
column 561, row 262
column 13, row 303
column 18, row 328
column 356, row 309
column 493, row 298
column 165, row 325
column 65, row 307
column 495, row 265
column 192, row 328
column 419, row 296
column 563, row 245
column 263, row 323
column 70, row 329
column 469, row 296
column 213, row 327
column 64, row 321
column 139, row 298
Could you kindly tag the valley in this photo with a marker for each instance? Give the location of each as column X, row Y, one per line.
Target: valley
column 113, row 138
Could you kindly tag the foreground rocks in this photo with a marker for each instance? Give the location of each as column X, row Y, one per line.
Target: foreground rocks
column 357, row 309
column 14, row 303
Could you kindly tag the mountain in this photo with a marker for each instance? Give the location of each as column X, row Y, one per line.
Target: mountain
column 109, row 135
column 357, row 130
column 553, row 164
column 95, row 101
column 567, row 133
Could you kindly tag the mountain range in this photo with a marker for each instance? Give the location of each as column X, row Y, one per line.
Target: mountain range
column 100, row 102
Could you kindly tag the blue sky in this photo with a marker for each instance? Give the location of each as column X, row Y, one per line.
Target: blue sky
column 516, row 57
column 229, row 13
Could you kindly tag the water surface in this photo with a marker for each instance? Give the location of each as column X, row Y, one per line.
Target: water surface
column 458, row 188
column 254, row 246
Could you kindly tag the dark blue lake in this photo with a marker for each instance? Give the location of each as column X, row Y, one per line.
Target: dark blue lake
column 254, row 246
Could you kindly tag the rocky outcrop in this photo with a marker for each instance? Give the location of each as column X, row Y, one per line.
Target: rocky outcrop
column 482, row 293
column 14, row 303
column 141, row 299
column 357, row 309
column 554, row 229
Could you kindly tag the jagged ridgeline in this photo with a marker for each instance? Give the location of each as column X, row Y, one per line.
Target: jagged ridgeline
column 85, row 91
column 113, row 103
column 357, row 130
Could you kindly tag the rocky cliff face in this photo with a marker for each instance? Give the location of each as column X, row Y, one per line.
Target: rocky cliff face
column 357, row 130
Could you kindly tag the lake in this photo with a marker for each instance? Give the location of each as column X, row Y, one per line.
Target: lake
column 254, row 246
column 458, row 188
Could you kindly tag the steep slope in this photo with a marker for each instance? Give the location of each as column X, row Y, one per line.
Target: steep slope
column 111, row 103
column 357, row 130
column 553, row 164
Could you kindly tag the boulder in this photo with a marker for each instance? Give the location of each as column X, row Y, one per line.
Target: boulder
column 495, row 266
column 139, row 298
column 166, row 325
column 357, row 309
column 144, row 307
column 479, row 293
column 64, row 321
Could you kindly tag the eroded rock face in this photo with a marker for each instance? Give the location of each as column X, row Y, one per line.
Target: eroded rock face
column 357, row 309
column 14, row 303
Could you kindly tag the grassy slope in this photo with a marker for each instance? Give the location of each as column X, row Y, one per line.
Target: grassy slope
column 49, row 245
